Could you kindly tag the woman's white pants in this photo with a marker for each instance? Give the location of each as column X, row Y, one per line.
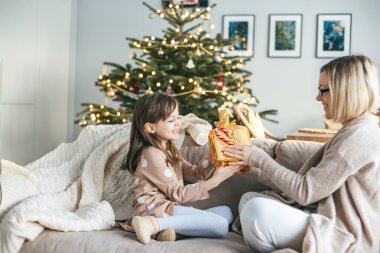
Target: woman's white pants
column 269, row 224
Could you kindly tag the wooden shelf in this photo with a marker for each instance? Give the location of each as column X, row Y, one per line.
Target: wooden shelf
column 310, row 137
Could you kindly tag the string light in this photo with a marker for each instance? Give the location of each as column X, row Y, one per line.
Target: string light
column 148, row 43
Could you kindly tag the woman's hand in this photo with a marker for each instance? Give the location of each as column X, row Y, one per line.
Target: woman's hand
column 220, row 174
column 241, row 152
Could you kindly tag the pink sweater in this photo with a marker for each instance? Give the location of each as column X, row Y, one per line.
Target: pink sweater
column 159, row 186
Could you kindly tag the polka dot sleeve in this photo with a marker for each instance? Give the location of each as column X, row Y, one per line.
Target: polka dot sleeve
column 163, row 176
column 194, row 173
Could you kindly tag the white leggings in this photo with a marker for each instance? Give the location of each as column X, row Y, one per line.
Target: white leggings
column 269, row 224
column 212, row 222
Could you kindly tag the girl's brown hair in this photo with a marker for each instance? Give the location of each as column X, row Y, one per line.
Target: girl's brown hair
column 150, row 108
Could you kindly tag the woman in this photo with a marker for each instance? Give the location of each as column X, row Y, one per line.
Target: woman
column 339, row 185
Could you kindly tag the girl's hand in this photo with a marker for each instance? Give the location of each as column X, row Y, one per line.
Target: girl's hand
column 241, row 152
column 220, row 174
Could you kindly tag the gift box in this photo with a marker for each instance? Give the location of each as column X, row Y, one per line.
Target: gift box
column 226, row 133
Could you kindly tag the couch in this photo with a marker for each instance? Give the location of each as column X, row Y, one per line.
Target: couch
column 228, row 193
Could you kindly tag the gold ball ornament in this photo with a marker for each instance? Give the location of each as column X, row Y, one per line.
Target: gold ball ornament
column 240, row 79
column 111, row 93
column 198, row 90
column 152, row 15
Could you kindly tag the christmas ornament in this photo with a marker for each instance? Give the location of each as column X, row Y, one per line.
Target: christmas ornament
column 198, row 90
column 149, row 91
column 240, row 79
column 141, row 88
column 190, row 64
column 219, row 83
column 219, row 57
column 136, row 85
column 169, row 90
column 152, row 15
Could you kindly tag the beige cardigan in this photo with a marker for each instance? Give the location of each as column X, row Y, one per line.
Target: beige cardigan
column 343, row 177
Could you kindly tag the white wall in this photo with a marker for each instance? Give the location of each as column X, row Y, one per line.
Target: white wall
column 35, row 60
column 288, row 85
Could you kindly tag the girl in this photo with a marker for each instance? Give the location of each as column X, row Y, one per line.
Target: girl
column 160, row 174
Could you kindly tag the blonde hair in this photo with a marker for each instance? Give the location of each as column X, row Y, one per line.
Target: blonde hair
column 354, row 86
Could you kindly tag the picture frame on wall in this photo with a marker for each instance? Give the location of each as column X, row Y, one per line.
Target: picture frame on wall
column 333, row 35
column 285, row 35
column 186, row 3
column 240, row 29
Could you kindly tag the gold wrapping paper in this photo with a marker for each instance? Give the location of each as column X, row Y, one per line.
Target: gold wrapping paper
column 225, row 134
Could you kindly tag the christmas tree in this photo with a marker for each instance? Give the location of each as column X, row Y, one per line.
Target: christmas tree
column 185, row 63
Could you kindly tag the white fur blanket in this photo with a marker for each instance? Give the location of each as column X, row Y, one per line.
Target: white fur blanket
column 77, row 187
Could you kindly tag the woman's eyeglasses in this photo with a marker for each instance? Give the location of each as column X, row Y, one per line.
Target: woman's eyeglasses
column 322, row 91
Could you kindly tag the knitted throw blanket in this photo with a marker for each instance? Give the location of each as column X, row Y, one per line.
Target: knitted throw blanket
column 79, row 186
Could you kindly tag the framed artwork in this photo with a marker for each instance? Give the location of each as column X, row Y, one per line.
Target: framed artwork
column 240, row 29
column 333, row 35
column 186, row 3
column 285, row 33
